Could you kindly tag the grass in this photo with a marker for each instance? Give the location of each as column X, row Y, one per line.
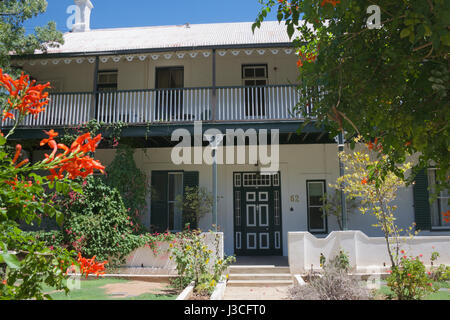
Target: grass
column 92, row 290
column 439, row 295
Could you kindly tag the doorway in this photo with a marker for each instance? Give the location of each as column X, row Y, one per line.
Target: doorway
column 169, row 96
column 257, row 214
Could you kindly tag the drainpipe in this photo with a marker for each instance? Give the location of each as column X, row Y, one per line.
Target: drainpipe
column 214, row 142
column 341, row 173
column 214, row 173
column 214, row 91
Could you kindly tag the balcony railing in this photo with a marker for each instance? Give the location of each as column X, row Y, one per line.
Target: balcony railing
column 275, row 102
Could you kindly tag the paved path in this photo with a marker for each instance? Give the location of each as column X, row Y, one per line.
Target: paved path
column 256, row 293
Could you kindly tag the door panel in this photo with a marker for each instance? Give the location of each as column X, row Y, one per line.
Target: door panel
column 251, row 215
column 263, row 215
column 257, row 214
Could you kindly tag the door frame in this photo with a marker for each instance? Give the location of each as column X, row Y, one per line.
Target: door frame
column 240, row 233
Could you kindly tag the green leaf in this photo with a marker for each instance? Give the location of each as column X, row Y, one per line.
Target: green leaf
column 405, row 32
column 290, row 30
column 280, row 16
column 11, row 260
column 2, row 140
column 59, row 218
column 446, row 39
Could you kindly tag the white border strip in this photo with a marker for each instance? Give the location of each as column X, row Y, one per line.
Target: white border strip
column 187, row 292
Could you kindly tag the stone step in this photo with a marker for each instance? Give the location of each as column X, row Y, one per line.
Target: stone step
column 260, row 276
column 257, row 269
column 259, row 283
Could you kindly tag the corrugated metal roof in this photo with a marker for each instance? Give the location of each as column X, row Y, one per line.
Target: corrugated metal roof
column 167, row 37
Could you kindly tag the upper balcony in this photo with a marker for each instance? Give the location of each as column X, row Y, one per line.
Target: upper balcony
column 217, row 73
column 176, row 105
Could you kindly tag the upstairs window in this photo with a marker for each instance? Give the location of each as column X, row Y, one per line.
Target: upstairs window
column 255, row 76
column 107, row 80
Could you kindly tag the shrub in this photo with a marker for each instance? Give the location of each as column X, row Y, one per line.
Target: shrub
column 441, row 273
column 340, row 262
column 333, row 284
column 97, row 224
column 196, row 262
column 409, row 280
column 123, row 175
column 49, row 238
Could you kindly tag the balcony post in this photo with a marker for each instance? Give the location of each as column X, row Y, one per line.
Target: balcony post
column 214, row 91
column 93, row 110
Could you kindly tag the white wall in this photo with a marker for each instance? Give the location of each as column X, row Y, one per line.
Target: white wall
column 298, row 163
column 366, row 254
column 160, row 258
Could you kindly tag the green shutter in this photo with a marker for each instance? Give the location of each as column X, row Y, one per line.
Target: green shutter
column 190, row 179
column 159, row 208
column 422, row 202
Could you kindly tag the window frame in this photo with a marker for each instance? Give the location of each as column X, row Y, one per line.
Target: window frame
column 266, row 77
column 434, row 227
column 325, row 217
column 107, row 85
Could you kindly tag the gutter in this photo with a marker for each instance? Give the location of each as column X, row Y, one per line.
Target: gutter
column 154, row 50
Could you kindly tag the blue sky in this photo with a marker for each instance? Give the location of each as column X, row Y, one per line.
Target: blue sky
column 137, row 13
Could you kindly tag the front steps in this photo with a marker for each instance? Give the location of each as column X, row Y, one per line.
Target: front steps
column 259, row 276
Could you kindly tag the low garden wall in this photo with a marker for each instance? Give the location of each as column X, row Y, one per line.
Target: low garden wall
column 145, row 257
column 366, row 254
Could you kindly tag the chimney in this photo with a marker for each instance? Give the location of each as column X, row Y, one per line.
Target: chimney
column 83, row 20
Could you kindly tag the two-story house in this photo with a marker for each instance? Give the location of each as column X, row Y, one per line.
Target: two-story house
column 167, row 82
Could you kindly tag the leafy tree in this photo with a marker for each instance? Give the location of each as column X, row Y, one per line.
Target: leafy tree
column 389, row 83
column 363, row 180
column 333, row 206
column 26, row 263
column 13, row 37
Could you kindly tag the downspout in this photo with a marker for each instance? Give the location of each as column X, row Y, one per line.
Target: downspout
column 214, row 173
column 341, row 174
column 214, row 92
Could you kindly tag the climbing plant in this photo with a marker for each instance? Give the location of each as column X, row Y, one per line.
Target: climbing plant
column 124, row 175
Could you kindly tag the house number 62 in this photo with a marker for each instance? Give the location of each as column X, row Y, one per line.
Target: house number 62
column 295, row 198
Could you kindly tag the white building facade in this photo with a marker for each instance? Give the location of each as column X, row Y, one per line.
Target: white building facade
column 156, row 80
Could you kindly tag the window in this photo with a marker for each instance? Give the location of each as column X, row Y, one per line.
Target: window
column 107, row 80
column 166, row 188
column 256, row 180
column 175, row 190
column 316, row 216
column 440, row 205
column 255, row 77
